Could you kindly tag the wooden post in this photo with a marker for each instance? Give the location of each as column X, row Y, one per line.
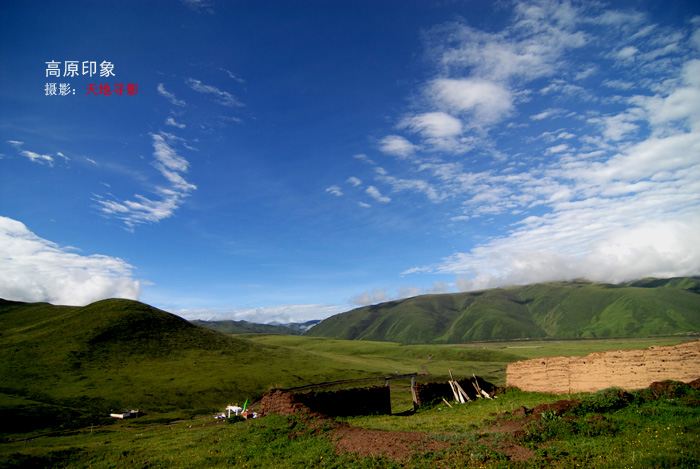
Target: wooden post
column 455, row 391
column 466, row 396
column 457, row 395
column 413, row 392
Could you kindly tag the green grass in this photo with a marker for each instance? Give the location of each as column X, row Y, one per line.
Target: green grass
column 610, row 431
column 64, row 368
column 458, row 418
column 569, row 348
column 644, row 433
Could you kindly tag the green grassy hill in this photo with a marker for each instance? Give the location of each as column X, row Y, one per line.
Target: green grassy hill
column 68, row 366
column 562, row 310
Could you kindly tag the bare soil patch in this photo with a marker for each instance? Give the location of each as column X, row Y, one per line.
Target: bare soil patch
column 518, row 453
column 392, row 445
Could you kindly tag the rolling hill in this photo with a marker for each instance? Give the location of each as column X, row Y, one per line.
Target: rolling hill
column 556, row 310
column 64, row 366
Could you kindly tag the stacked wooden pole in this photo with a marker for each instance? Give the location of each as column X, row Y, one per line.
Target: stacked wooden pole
column 460, row 395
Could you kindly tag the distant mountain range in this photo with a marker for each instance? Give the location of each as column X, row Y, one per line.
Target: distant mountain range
column 245, row 327
column 555, row 310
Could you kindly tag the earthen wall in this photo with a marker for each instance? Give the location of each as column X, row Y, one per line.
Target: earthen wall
column 344, row 402
column 626, row 369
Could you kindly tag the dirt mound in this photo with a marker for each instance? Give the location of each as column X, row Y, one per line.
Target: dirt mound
column 392, row 445
column 558, row 407
column 518, row 453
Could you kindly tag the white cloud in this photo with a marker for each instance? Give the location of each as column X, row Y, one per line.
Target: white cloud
column 33, row 156
column 405, row 291
column 681, row 106
column 439, row 131
column 364, row 158
column 696, row 39
column 488, row 102
column 558, row 148
column 582, row 75
column 367, row 298
column 170, row 96
column 639, row 218
column 562, row 87
column 223, row 97
column 199, row 5
column 37, row 158
column 142, row 209
column 397, row 146
column 434, row 125
column 413, row 185
column 174, row 123
column 530, row 48
column 376, row 195
column 627, row 53
column 335, row 190
column 608, row 254
column 619, row 126
column 35, row 269
column 618, row 84
column 170, row 164
column 547, row 113
column 232, row 76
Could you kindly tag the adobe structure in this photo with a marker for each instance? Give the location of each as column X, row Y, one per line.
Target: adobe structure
column 363, row 401
column 626, row 369
column 343, row 402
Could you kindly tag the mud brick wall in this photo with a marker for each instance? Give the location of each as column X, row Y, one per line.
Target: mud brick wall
column 280, row 402
column 344, row 402
column 626, row 369
column 429, row 392
column 347, row 402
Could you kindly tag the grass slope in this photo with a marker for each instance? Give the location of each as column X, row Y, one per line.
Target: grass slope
column 609, row 430
column 117, row 354
column 561, row 310
column 65, row 365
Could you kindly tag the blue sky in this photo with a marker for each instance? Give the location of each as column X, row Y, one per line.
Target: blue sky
column 290, row 160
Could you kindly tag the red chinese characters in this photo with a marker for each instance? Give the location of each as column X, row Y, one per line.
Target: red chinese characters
column 106, row 89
